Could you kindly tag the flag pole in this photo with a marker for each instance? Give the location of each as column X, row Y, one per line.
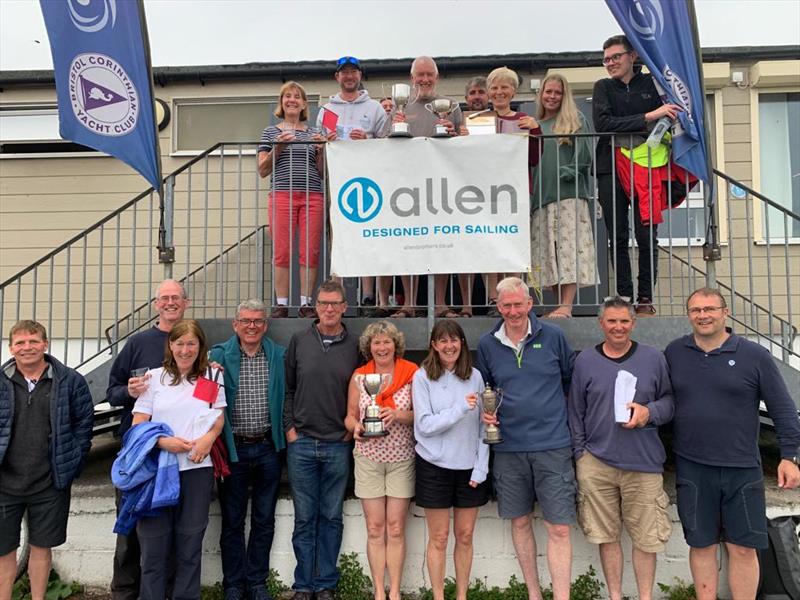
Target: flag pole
column 166, row 248
column 711, row 248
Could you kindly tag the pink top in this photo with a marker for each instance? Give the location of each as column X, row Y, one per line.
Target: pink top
column 399, row 444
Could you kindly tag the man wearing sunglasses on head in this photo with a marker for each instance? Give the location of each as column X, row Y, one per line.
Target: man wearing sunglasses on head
column 358, row 117
column 255, row 385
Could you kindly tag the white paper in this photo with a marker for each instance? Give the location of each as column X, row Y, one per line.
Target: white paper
column 624, row 391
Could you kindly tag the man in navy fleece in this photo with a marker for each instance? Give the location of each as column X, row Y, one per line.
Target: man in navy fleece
column 619, row 457
column 718, row 379
column 532, row 363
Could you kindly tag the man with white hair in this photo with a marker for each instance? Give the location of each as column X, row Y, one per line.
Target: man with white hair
column 531, row 361
column 422, row 123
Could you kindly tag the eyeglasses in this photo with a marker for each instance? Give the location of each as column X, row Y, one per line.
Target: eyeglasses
column 324, row 304
column 253, row 322
column 614, row 58
column 696, row 310
column 347, row 60
column 613, row 298
column 174, row 298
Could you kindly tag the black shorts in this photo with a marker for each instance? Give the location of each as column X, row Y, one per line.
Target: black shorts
column 437, row 487
column 721, row 504
column 47, row 519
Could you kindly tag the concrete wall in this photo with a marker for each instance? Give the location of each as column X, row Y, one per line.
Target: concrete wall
column 87, row 555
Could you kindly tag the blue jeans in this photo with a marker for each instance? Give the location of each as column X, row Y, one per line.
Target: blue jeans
column 246, row 566
column 318, row 472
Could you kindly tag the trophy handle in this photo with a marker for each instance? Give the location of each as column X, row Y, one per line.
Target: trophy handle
column 500, row 396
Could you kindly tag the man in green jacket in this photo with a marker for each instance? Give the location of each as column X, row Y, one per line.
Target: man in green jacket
column 255, row 384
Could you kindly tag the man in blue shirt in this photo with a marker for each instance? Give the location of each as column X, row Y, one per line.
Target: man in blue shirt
column 718, row 379
column 532, row 363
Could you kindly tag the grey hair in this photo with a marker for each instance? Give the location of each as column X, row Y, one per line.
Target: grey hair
column 166, row 281
column 511, row 285
column 616, row 302
column 420, row 59
column 252, row 304
column 478, row 82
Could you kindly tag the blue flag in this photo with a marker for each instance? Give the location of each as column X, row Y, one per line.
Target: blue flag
column 661, row 33
column 104, row 85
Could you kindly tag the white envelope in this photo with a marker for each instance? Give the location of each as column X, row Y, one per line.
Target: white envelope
column 624, row 391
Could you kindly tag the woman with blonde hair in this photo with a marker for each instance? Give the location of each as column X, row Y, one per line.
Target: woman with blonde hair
column 562, row 243
column 384, row 466
column 296, row 204
column 502, row 84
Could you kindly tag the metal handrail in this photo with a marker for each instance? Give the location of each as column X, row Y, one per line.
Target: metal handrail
column 183, row 279
column 787, row 212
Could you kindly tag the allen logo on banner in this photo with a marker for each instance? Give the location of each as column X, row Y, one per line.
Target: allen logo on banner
column 405, row 207
column 101, row 59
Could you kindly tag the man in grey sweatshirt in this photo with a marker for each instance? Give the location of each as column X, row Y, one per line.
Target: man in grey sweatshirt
column 620, row 394
column 359, row 117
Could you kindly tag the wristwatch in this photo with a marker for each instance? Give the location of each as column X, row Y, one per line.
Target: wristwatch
column 795, row 459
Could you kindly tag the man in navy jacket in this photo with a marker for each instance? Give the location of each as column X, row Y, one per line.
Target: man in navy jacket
column 532, row 363
column 46, row 415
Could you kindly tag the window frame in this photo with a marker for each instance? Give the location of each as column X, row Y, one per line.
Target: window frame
column 759, row 238
column 177, row 102
column 41, row 108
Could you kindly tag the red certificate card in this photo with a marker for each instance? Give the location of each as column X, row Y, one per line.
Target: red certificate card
column 206, row 390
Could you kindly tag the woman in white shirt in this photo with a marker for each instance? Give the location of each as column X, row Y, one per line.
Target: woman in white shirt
column 180, row 395
column 451, row 460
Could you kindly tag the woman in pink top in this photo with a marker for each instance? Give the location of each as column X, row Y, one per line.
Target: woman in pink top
column 384, row 466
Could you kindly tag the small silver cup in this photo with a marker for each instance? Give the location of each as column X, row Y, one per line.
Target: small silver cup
column 490, row 403
column 441, row 107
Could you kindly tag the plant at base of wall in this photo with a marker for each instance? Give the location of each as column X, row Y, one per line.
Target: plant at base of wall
column 353, row 583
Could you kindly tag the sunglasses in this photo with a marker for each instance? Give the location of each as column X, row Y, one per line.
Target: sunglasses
column 347, row 60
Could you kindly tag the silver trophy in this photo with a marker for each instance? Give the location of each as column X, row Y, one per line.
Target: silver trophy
column 490, row 403
column 374, row 384
column 401, row 94
column 441, row 107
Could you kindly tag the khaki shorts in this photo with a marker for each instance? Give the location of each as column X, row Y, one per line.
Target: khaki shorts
column 375, row 479
column 609, row 497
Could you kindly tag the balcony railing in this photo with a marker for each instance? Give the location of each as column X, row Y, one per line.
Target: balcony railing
column 97, row 288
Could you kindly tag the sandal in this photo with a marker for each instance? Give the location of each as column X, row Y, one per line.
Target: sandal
column 465, row 314
column 446, row 313
column 406, row 312
column 560, row 312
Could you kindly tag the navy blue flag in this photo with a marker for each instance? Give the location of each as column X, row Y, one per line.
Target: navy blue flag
column 104, row 84
column 661, row 32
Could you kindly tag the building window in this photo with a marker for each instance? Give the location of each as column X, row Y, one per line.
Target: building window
column 33, row 130
column 200, row 124
column 779, row 160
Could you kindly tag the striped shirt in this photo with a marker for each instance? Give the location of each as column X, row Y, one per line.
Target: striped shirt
column 251, row 409
column 296, row 166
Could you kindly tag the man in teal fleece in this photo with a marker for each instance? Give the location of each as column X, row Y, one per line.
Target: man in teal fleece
column 255, row 383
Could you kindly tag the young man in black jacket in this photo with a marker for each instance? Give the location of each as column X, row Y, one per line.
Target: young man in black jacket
column 627, row 102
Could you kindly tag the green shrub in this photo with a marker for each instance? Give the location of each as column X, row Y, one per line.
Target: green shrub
column 56, row 589
column 353, row 583
column 678, row 591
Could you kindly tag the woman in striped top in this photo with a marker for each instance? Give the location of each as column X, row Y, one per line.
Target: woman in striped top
column 296, row 204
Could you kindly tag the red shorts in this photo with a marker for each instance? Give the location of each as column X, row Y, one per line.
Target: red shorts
column 293, row 213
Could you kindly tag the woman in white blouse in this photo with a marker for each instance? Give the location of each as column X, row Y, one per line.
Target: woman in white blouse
column 180, row 395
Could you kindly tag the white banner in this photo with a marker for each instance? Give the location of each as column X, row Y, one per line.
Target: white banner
column 426, row 205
